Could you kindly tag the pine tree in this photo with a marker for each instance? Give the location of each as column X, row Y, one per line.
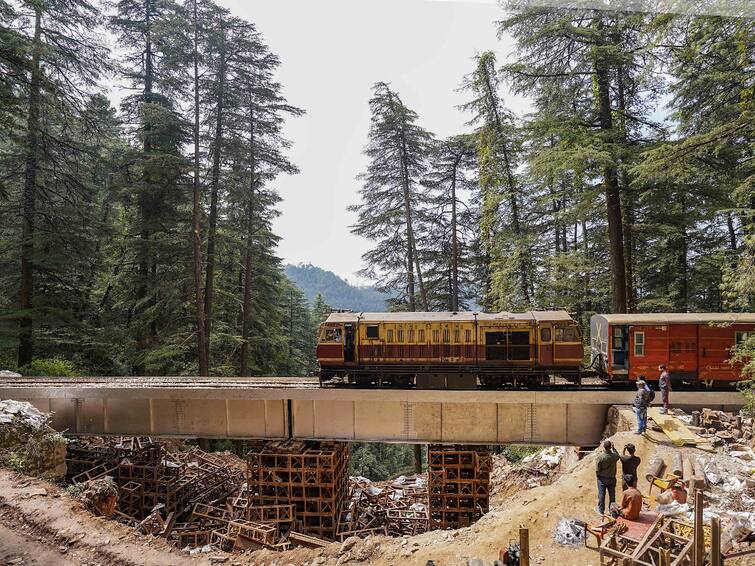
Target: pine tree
column 581, row 49
column 255, row 127
column 392, row 211
column 52, row 68
column 451, row 177
column 502, row 237
column 156, row 175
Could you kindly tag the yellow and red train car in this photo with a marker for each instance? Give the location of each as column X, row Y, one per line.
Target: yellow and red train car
column 449, row 349
column 694, row 346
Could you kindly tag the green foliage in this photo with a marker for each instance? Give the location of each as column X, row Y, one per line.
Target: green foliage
column 17, row 461
column 380, row 461
column 52, row 367
column 516, row 453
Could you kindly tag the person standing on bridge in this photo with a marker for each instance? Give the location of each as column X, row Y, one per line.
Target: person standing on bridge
column 605, row 470
column 641, row 402
column 664, row 383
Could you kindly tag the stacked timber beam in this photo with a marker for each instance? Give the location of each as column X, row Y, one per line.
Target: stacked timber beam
column 458, row 484
column 311, row 476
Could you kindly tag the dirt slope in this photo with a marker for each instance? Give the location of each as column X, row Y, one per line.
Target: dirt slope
column 41, row 524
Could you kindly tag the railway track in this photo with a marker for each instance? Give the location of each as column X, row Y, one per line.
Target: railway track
column 166, row 382
column 162, row 382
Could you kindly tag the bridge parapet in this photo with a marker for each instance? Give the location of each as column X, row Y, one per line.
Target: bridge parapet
column 296, row 408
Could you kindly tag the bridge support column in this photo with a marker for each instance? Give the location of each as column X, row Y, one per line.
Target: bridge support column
column 458, row 484
column 311, row 476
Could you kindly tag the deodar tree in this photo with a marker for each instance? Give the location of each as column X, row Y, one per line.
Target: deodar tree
column 392, row 211
column 52, row 58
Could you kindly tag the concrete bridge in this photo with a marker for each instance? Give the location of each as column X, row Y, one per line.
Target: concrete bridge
column 277, row 408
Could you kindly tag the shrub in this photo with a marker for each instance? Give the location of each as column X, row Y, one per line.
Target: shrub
column 54, row 367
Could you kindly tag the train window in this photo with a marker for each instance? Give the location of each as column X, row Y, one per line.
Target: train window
column 400, row 335
column 332, row 335
column 740, row 337
column 389, row 336
column 446, row 335
column 566, row 334
column 639, row 343
column 410, row 334
column 420, row 335
column 457, row 336
column 545, row 334
column 373, row 331
column 467, row 336
column 436, row 336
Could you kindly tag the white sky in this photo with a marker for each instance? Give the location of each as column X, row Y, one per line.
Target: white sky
column 332, row 51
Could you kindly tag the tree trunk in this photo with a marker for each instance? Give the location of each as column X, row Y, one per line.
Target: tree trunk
column 417, row 458
column 247, row 304
column 454, row 243
column 196, row 236
column 613, row 195
column 410, row 276
column 29, row 200
column 627, row 216
column 732, row 232
column 145, row 204
column 682, row 264
column 512, row 196
column 411, row 242
column 212, row 226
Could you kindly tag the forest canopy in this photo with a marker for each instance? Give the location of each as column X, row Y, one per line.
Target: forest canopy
column 138, row 239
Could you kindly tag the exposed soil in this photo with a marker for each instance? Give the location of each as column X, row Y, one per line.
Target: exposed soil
column 41, row 524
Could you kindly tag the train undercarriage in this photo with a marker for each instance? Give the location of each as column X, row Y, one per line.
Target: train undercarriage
column 450, row 377
column 481, row 378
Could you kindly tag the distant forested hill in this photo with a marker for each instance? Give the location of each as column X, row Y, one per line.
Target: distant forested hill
column 337, row 292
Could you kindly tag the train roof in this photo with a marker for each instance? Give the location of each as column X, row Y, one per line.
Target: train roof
column 679, row 318
column 339, row 317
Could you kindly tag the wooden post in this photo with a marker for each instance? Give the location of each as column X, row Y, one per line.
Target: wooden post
column 665, row 557
column 524, row 546
column 715, row 542
column 699, row 533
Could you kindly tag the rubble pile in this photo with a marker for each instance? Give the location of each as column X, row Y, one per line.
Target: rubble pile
column 396, row 508
column 28, row 443
column 722, row 428
column 535, row 470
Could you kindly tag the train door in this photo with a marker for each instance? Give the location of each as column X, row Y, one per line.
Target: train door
column 620, row 347
column 682, row 351
column 349, row 343
column 545, row 344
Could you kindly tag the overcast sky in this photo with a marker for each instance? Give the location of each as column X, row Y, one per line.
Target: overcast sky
column 332, row 51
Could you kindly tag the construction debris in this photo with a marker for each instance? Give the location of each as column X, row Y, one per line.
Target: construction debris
column 101, row 496
column 536, row 470
column 396, row 508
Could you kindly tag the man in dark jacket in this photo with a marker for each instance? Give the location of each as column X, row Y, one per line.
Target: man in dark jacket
column 641, row 402
column 605, row 471
column 664, row 383
column 629, row 462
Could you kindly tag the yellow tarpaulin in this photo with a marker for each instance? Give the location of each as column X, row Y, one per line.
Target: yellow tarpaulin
column 675, row 429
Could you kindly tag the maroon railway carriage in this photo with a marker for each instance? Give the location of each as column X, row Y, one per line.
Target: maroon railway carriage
column 695, row 347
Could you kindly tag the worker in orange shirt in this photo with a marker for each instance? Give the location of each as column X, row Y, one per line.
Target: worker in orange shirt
column 631, row 500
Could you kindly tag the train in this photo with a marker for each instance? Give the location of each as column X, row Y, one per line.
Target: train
column 469, row 350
